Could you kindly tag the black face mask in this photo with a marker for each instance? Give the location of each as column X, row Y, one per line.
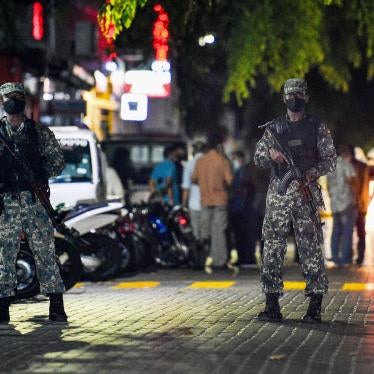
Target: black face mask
column 295, row 104
column 14, row 106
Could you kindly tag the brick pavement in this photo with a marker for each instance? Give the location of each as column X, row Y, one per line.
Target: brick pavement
column 173, row 328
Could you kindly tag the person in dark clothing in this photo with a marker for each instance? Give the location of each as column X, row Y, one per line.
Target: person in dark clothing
column 241, row 211
column 260, row 182
column 180, row 156
column 123, row 166
column 308, row 139
column 20, row 210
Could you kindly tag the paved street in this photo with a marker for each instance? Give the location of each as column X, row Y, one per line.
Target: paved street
column 183, row 321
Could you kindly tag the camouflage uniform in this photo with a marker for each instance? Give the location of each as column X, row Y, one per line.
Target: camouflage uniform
column 281, row 210
column 22, row 212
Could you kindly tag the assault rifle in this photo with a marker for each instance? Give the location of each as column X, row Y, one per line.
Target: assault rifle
column 40, row 191
column 294, row 173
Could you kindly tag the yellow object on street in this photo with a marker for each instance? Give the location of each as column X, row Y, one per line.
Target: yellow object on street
column 292, row 285
column 79, row 285
column 358, row 287
column 145, row 284
column 208, row 284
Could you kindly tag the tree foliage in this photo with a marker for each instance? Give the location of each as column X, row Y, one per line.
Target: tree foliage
column 281, row 39
column 115, row 15
column 275, row 39
column 272, row 38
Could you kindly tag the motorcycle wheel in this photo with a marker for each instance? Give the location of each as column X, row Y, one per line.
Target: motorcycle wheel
column 142, row 252
column 168, row 257
column 137, row 252
column 126, row 256
column 101, row 257
column 126, row 248
column 28, row 285
column 69, row 262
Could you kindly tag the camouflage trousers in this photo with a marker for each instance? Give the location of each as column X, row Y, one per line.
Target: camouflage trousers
column 21, row 214
column 280, row 212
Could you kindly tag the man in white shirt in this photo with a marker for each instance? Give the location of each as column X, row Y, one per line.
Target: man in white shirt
column 113, row 184
column 191, row 191
column 114, row 187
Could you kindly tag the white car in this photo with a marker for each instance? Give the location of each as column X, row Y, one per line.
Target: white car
column 82, row 179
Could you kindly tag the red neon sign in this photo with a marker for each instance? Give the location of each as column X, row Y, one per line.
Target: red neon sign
column 37, row 21
column 161, row 34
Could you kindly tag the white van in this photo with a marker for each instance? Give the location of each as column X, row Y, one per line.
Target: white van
column 82, row 179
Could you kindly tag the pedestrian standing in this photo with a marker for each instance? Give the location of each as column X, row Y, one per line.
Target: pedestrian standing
column 241, row 210
column 309, row 141
column 341, row 184
column 21, row 211
column 191, row 191
column 164, row 177
column 180, row 158
column 362, row 201
column 122, row 164
column 214, row 176
column 260, row 182
column 114, row 187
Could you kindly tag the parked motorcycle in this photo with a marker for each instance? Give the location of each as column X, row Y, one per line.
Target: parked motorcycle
column 68, row 260
column 129, row 235
column 168, row 231
column 90, row 254
column 100, row 254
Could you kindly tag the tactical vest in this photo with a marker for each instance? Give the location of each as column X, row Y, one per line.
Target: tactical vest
column 300, row 138
column 11, row 176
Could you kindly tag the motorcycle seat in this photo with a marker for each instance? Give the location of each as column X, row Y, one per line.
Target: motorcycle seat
column 83, row 208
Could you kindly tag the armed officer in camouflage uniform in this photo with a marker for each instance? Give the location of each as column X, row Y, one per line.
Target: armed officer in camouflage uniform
column 21, row 211
column 309, row 141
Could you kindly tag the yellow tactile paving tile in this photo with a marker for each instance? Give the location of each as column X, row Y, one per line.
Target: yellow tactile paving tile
column 349, row 287
column 288, row 285
column 79, row 285
column 141, row 284
column 209, row 285
column 294, row 285
column 358, row 287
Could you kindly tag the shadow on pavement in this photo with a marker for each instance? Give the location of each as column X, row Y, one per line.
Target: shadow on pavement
column 19, row 350
column 45, row 350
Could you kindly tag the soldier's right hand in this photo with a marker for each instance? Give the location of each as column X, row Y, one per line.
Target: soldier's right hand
column 277, row 156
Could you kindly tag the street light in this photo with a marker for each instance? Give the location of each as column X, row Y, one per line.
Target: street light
column 206, row 39
column 110, row 66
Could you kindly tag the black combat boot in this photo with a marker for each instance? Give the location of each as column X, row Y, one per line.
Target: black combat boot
column 313, row 313
column 272, row 310
column 56, row 308
column 4, row 309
